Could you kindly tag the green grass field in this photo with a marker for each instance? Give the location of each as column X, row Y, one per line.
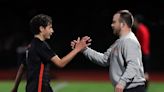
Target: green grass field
column 77, row 86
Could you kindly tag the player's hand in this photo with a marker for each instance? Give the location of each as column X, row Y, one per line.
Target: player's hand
column 119, row 88
column 81, row 44
column 73, row 43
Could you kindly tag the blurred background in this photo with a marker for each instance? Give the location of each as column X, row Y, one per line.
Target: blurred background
column 70, row 20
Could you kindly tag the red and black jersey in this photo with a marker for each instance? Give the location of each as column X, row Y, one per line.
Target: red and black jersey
column 37, row 64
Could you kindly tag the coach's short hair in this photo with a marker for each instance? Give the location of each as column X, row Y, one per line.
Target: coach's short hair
column 127, row 17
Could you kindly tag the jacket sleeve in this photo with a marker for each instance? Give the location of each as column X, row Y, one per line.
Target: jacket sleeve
column 97, row 57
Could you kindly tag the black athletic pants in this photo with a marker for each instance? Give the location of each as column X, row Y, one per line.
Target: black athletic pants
column 140, row 88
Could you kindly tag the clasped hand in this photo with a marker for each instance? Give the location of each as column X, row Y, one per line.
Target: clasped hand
column 81, row 43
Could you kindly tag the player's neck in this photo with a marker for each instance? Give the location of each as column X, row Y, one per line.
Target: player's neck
column 39, row 37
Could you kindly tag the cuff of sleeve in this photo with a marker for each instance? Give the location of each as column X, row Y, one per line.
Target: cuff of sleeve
column 122, row 82
column 84, row 50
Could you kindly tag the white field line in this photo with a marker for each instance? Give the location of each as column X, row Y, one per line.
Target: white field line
column 59, row 85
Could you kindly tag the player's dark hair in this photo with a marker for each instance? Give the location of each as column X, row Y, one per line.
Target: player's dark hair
column 39, row 20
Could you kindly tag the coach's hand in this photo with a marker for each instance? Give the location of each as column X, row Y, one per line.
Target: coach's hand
column 119, row 88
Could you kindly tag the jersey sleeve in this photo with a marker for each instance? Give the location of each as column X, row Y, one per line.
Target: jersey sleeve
column 45, row 52
column 22, row 59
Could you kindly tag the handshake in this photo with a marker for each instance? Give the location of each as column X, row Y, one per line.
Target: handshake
column 81, row 43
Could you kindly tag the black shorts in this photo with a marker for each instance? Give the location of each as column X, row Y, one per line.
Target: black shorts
column 33, row 87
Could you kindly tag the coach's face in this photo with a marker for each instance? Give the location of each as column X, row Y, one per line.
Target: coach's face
column 116, row 25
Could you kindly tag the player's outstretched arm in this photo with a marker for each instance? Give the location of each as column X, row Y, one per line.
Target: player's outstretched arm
column 19, row 75
column 80, row 45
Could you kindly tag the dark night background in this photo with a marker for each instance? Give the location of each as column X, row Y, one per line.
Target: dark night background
column 72, row 19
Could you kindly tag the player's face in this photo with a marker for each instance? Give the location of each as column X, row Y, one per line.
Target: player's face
column 116, row 25
column 48, row 31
